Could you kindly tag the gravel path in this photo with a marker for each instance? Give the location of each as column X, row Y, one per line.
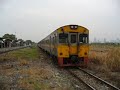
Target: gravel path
column 91, row 81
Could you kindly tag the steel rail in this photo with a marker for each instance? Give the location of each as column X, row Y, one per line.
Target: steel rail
column 105, row 82
column 80, row 80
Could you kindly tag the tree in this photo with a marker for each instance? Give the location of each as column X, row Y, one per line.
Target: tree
column 28, row 42
column 10, row 36
column 21, row 42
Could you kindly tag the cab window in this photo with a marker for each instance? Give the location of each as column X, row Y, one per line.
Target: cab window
column 63, row 38
column 83, row 38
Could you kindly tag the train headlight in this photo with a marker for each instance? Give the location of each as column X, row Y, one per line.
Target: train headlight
column 73, row 27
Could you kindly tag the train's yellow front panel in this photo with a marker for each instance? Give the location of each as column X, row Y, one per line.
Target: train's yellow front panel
column 73, row 50
column 83, row 51
column 63, row 51
column 77, row 48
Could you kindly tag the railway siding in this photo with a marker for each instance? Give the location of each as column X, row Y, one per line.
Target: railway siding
column 4, row 50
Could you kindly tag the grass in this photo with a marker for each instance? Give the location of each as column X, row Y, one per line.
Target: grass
column 26, row 53
column 37, row 79
column 106, row 63
column 41, row 86
column 31, row 72
column 113, row 59
column 109, row 60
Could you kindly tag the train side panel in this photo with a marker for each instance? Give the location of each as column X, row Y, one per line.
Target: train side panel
column 49, row 44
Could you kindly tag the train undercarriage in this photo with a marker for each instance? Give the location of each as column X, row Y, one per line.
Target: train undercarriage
column 73, row 61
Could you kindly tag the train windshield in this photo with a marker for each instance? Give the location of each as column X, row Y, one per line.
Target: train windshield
column 63, row 38
column 83, row 38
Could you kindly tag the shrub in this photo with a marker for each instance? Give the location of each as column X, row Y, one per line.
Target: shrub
column 109, row 60
column 113, row 59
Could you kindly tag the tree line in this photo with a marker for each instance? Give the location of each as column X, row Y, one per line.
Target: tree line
column 10, row 40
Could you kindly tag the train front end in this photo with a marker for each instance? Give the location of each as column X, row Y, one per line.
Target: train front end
column 73, row 46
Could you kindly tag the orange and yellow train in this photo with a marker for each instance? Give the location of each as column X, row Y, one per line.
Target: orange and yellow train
column 70, row 44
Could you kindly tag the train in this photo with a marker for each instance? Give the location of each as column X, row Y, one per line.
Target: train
column 69, row 44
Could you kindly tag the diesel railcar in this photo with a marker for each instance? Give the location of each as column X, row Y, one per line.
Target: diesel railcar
column 69, row 44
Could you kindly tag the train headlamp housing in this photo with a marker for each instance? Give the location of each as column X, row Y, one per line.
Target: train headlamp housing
column 61, row 53
column 85, row 53
column 74, row 27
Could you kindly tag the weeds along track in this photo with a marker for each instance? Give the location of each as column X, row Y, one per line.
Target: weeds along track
column 100, row 50
column 5, row 50
column 90, row 81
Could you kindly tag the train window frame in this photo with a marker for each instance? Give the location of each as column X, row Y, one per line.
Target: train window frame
column 66, row 42
column 55, row 39
column 85, row 38
column 71, row 40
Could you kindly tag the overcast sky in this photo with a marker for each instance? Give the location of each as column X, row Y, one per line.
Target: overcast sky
column 35, row 19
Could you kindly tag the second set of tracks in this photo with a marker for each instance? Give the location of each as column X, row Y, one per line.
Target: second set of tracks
column 90, row 81
column 5, row 50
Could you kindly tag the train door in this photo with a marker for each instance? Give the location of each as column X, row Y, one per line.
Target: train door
column 73, row 43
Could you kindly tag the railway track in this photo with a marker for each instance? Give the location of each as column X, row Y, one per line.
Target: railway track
column 90, row 81
column 5, row 50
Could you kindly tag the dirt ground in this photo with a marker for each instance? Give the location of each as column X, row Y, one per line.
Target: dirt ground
column 33, row 69
column 39, row 73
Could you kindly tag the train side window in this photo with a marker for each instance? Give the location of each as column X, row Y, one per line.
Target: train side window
column 47, row 41
column 50, row 40
column 53, row 40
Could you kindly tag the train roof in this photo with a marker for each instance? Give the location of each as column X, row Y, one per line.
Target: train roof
column 72, row 25
column 68, row 26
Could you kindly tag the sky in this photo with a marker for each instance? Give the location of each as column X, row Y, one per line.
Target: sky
column 35, row 19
